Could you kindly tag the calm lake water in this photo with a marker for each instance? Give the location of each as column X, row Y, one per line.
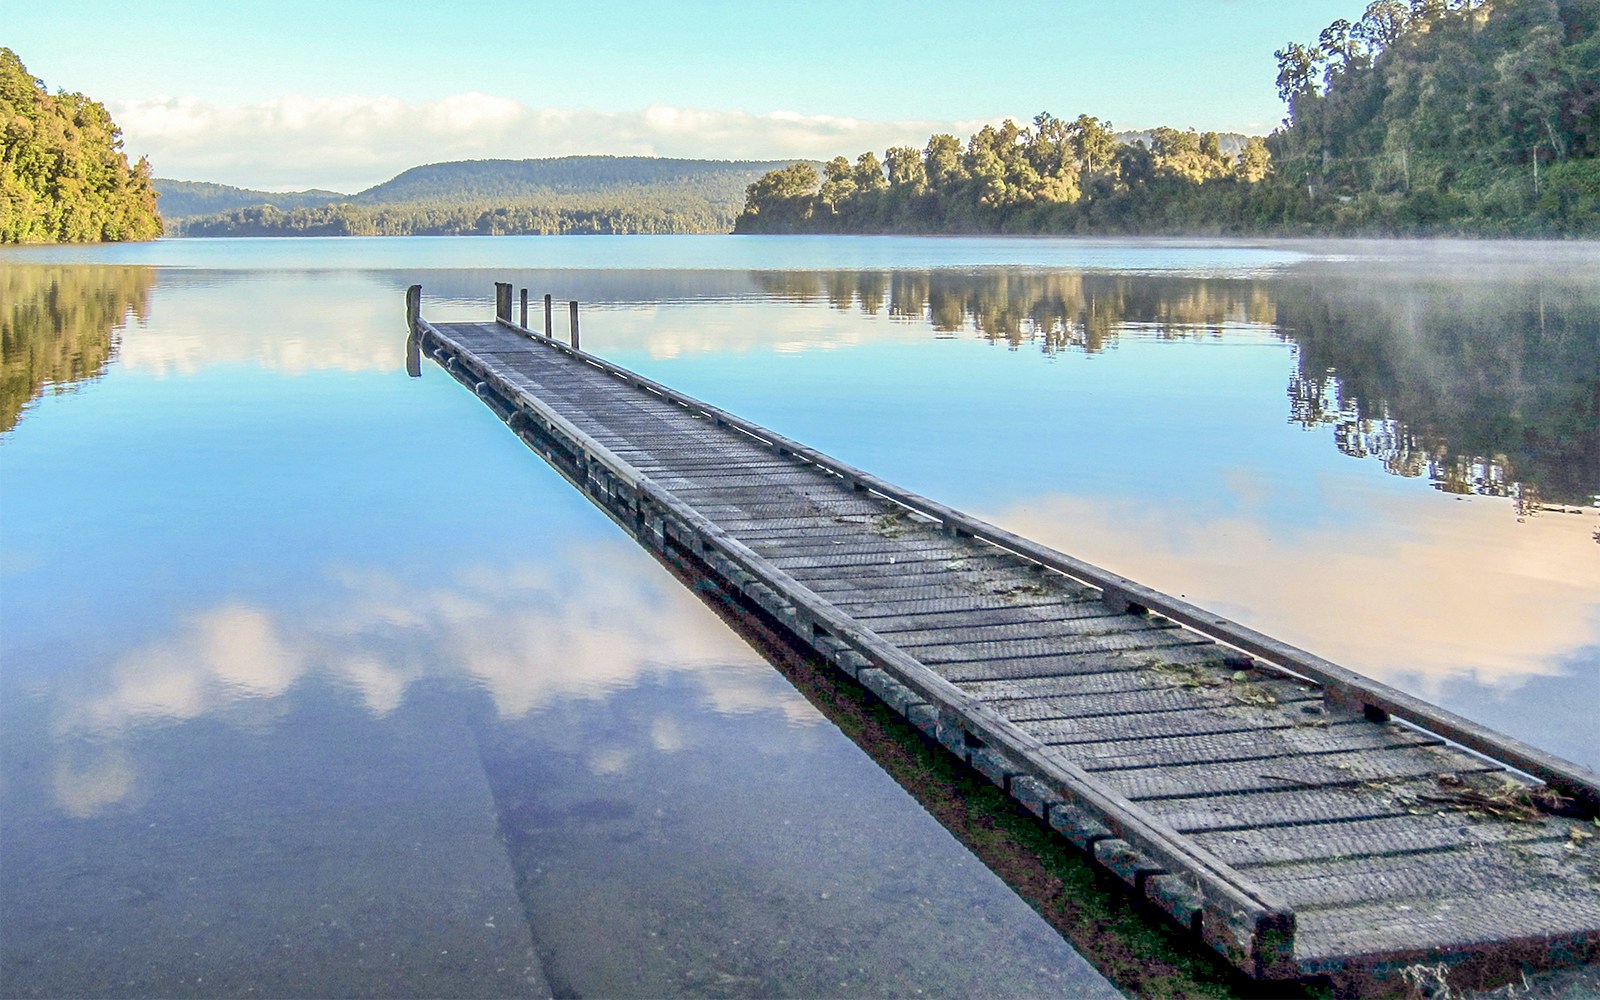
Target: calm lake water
column 314, row 680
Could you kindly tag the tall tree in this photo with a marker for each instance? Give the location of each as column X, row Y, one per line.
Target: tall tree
column 63, row 175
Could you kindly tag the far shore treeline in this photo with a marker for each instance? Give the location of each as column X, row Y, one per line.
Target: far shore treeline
column 1422, row 117
column 1430, row 117
column 63, row 175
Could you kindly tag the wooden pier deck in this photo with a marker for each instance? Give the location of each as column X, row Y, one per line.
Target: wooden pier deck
column 1299, row 818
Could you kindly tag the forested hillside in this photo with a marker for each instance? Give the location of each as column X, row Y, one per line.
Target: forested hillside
column 182, row 199
column 1478, row 113
column 573, row 194
column 1434, row 116
column 63, row 175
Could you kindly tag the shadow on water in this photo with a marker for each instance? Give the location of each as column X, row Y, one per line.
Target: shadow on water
column 59, row 327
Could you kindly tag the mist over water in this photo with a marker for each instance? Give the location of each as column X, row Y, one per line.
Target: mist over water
column 316, row 680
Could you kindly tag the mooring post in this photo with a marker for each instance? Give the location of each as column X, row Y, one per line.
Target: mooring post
column 502, row 300
column 413, row 307
column 547, row 332
column 573, row 306
column 413, row 336
column 524, row 323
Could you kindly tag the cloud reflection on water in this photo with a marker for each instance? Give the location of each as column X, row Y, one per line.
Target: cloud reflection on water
column 586, row 625
column 1412, row 597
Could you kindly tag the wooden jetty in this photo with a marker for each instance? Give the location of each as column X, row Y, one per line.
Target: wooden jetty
column 1301, row 819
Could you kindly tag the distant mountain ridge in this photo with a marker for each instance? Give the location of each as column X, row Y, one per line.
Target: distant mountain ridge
column 463, row 181
column 559, row 194
column 183, row 199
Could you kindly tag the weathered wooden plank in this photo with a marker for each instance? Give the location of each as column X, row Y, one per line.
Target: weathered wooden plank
column 1169, row 645
column 872, row 609
column 1106, row 672
column 748, row 496
column 1077, row 619
column 1329, row 939
column 1155, row 695
column 1384, row 836
column 1143, row 784
column 726, row 479
column 922, row 559
column 868, row 544
column 1113, row 676
column 1254, row 743
column 734, row 514
column 979, row 613
column 1460, row 872
column 1099, row 634
column 1134, row 729
column 869, row 582
column 815, row 534
column 653, row 461
column 1275, row 808
column 1099, row 702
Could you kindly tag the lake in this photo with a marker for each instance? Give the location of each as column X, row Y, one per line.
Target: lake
column 315, row 681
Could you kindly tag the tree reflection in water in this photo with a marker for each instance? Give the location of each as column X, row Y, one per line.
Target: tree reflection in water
column 1485, row 385
column 59, row 327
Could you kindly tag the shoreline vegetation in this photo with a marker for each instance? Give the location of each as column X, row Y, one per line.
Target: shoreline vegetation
column 1475, row 118
column 63, row 175
column 1430, row 118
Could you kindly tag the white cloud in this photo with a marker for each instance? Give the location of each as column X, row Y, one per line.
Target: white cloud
column 352, row 142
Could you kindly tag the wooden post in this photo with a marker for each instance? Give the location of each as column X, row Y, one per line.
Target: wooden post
column 413, row 307
column 502, row 300
column 547, row 332
column 524, row 323
column 413, row 338
column 573, row 306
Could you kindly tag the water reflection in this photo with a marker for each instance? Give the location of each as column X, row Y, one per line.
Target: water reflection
column 60, row 326
column 512, row 631
column 1462, row 594
column 1054, row 310
column 1484, row 383
column 1481, row 383
column 658, row 789
column 340, row 633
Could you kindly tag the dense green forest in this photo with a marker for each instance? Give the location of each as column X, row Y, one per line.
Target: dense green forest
column 1483, row 114
column 1437, row 116
column 1051, row 176
column 572, row 194
column 63, row 175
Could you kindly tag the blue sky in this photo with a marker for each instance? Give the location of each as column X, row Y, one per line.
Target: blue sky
column 345, row 94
